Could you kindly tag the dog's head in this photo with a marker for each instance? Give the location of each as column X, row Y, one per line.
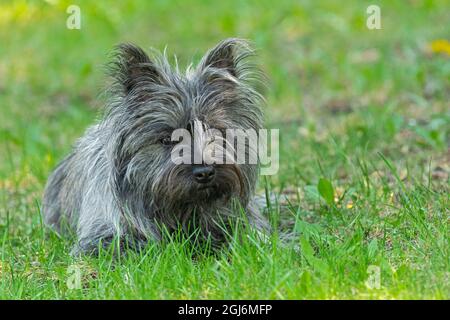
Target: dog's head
column 155, row 106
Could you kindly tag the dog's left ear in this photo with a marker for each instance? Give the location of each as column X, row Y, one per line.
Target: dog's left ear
column 131, row 67
column 228, row 55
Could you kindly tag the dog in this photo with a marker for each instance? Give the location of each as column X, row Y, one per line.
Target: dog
column 120, row 180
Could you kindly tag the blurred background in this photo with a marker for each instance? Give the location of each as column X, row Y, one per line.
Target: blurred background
column 336, row 88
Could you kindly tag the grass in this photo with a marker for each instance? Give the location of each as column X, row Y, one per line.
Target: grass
column 364, row 160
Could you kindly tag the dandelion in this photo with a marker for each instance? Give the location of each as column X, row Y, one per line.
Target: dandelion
column 440, row 46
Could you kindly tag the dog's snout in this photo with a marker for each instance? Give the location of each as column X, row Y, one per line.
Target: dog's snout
column 203, row 174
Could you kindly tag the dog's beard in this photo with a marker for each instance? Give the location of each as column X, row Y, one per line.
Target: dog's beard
column 179, row 200
column 176, row 189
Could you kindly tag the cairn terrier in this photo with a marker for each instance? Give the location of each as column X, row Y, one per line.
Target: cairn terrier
column 120, row 181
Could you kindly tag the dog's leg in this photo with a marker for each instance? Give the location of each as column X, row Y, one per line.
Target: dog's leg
column 107, row 240
column 52, row 206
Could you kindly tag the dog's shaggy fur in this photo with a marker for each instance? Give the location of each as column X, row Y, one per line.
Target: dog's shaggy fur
column 120, row 183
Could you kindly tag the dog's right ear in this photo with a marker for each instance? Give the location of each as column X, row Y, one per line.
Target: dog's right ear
column 131, row 67
column 230, row 55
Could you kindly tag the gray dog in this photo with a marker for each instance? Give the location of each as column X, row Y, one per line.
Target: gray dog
column 120, row 181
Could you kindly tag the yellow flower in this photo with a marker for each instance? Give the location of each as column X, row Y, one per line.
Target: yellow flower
column 48, row 158
column 350, row 204
column 440, row 46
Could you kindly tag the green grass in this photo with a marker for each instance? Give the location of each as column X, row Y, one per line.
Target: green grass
column 365, row 111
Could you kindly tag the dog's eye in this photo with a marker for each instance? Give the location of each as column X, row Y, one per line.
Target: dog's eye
column 167, row 141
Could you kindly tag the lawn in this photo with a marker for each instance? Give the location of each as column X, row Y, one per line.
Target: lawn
column 364, row 119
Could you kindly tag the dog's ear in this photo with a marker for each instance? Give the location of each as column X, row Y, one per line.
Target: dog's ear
column 131, row 66
column 228, row 55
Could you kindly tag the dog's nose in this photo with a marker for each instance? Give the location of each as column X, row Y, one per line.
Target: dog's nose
column 203, row 174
